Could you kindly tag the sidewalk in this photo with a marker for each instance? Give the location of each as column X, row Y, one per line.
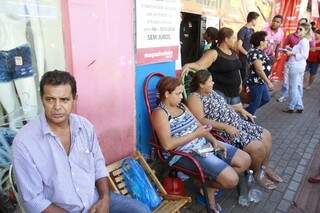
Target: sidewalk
column 295, row 137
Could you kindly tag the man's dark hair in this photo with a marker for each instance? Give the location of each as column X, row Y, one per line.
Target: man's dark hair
column 56, row 78
column 257, row 37
column 251, row 16
column 278, row 16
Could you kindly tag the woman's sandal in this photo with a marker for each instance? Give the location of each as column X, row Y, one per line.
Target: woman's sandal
column 266, row 183
column 200, row 199
column 274, row 177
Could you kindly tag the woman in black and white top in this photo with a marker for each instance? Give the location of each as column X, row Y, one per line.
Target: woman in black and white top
column 260, row 69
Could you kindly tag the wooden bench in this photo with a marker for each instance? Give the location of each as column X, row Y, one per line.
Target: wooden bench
column 170, row 203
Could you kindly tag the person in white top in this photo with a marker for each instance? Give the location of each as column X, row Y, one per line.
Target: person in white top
column 16, row 71
column 296, row 66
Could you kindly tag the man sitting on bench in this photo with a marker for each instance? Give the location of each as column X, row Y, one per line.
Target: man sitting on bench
column 57, row 160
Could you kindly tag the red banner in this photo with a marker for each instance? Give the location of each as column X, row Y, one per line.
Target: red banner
column 289, row 10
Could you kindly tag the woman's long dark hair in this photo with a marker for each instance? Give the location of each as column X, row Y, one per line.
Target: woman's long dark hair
column 200, row 77
column 212, row 32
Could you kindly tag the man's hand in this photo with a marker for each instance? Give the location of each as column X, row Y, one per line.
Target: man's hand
column 101, row 206
column 232, row 131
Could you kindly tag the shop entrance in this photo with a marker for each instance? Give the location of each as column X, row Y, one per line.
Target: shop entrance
column 190, row 37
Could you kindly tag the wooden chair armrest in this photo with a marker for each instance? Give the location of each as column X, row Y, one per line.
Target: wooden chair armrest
column 175, row 197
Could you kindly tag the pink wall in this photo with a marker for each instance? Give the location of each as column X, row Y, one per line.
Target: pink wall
column 100, row 35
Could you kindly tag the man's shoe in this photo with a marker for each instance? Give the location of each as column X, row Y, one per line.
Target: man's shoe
column 288, row 110
column 299, row 110
column 282, row 99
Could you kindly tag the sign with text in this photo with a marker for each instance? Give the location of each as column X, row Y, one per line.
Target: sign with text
column 157, row 27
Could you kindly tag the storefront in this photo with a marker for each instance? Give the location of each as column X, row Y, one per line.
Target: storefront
column 91, row 39
column 31, row 43
column 110, row 51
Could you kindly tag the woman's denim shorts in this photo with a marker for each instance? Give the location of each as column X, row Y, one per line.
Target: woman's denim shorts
column 211, row 164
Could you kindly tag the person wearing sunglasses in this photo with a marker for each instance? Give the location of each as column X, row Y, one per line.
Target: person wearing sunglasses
column 296, row 66
column 291, row 40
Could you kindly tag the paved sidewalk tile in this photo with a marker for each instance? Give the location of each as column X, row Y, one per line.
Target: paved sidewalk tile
column 295, row 137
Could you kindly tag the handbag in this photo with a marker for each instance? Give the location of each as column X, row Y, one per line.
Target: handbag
column 245, row 95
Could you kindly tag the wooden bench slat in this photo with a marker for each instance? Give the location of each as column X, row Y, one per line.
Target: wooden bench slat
column 170, row 203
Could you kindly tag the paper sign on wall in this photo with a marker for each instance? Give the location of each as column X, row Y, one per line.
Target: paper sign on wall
column 157, row 28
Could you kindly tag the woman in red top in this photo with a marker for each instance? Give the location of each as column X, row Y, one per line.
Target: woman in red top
column 313, row 60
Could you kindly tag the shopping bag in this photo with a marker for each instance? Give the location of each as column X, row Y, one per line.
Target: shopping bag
column 138, row 183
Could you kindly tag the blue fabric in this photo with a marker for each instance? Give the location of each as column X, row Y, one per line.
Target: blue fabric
column 8, row 134
column 211, row 164
column 138, row 183
column 6, row 138
column 312, row 68
column 10, row 67
column 124, row 204
column 229, row 100
column 259, row 97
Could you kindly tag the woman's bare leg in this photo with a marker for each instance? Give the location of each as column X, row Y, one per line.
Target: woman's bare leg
column 257, row 152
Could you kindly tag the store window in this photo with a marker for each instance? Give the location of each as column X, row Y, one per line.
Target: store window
column 31, row 43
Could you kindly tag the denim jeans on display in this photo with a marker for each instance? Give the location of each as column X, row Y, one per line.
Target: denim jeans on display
column 296, row 73
column 6, row 138
column 15, row 63
column 259, row 97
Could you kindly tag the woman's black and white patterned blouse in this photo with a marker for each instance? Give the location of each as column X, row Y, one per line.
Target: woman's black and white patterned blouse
column 258, row 54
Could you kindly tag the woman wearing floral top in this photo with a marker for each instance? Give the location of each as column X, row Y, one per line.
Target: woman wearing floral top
column 260, row 69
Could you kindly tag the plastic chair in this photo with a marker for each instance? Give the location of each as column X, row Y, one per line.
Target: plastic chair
column 170, row 203
column 151, row 97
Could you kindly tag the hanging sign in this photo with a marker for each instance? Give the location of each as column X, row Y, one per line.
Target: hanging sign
column 157, row 30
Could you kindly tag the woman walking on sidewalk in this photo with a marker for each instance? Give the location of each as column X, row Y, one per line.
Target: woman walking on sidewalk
column 260, row 69
column 296, row 66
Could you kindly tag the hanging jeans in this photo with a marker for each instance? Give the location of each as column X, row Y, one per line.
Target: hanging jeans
column 259, row 97
column 6, row 138
column 295, row 74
